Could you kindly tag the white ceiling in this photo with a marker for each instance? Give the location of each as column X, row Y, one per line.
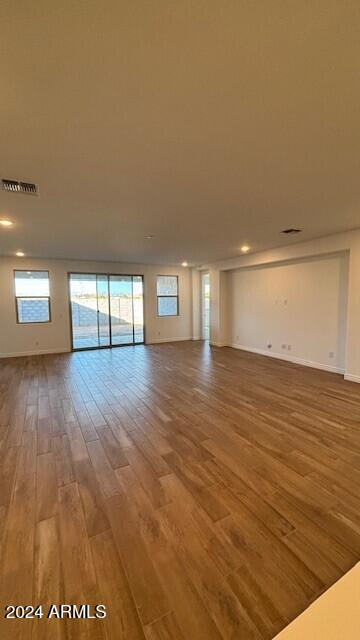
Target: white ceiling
column 206, row 123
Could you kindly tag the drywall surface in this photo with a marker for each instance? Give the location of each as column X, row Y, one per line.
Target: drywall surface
column 196, row 305
column 219, row 296
column 348, row 243
column 297, row 310
column 21, row 339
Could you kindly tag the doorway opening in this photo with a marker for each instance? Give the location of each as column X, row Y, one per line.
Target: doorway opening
column 106, row 310
column 205, row 306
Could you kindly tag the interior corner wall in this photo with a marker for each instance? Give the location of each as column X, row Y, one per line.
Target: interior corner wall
column 219, row 320
column 214, row 278
column 224, row 308
column 353, row 323
column 296, row 311
column 196, row 304
column 54, row 337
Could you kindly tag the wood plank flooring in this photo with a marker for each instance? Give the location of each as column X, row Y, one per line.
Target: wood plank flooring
column 199, row 494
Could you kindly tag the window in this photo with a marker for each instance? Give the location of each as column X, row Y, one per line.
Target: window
column 32, row 296
column 167, row 296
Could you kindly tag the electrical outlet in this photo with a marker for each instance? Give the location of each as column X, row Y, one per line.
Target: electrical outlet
column 331, row 354
column 283, row 346
column 289, row 347
column 269, row 346
column 237, row 337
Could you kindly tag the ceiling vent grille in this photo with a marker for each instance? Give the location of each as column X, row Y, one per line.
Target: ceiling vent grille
column 20, row 187
column 288, row 231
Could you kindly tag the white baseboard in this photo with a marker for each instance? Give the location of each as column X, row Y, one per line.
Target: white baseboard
column 159, row 340
column 294, row 359
column 196, row 338
column 307, row 363
column 38, row 352
column 352, row 378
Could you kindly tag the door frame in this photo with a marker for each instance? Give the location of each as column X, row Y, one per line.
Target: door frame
column 110, row 346
column 202, row 306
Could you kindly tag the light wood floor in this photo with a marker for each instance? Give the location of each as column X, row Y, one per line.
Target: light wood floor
column 199, row 494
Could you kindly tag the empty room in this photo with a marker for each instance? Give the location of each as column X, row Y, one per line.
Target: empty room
column 179, row 320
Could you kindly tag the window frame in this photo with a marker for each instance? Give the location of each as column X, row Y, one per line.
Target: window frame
column 168, row 315
column 48, row 298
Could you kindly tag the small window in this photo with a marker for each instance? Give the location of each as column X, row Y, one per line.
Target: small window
column 167, row 296
column 32, row 296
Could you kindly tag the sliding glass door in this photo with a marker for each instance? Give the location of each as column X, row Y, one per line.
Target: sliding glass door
column 102, row 285
column 84, row 311
column 121, row 310
column 106, row 310
column 126, row 309
column 138, row 308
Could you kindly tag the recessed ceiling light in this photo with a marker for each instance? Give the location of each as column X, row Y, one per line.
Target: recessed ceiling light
column 184, row 264
column 20, row 254
column 245, row 248
column 6, row 223
column 149, row 237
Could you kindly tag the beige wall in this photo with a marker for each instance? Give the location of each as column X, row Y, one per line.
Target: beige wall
column 18, row 339
column 218, row 307
column 300, row 309
column 196, row 304
column 335, row 244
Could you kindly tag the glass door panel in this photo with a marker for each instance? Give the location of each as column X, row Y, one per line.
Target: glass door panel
column 84, row 316
column 121, row 310
column 103, row 310
column 106, row 310
column 138, row 307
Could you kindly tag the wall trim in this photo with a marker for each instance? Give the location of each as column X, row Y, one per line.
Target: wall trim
column 307, row 363
column 38, row 352
column 350, row 377
column 293, row 359
column 159, row 340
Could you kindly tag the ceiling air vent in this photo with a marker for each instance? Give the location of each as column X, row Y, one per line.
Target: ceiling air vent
column 287, row 231
column 20, row 187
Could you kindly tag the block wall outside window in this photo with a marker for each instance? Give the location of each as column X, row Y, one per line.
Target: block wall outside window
column 167, row 296
column 32, row 296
